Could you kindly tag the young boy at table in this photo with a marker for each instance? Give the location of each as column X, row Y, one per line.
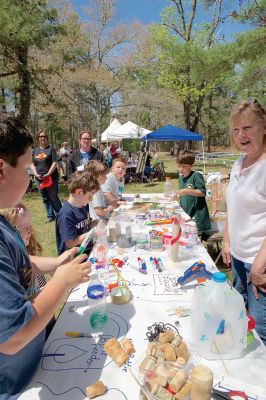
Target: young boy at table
column 114, row 185
column 98, row 205
column 73, row 221
column 192, row 191
column 23, row 319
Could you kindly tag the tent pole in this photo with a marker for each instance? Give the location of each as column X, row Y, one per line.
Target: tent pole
column 203, row 157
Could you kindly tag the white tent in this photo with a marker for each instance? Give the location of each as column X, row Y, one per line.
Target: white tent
column 127, row 131
column 115, row 124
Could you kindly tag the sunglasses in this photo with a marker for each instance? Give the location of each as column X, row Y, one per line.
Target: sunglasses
column 252, row 102
column 43, row 136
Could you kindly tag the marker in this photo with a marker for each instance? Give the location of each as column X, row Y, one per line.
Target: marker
column 157, row 265
column 53, row 354
column 80, row 334
column 85, row 242
column 161, row 264
column 122, row 262
column 142, row 271
column 143, row 264
column 153, row 263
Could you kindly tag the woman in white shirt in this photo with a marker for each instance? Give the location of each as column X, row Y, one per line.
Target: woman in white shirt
column 245, row 231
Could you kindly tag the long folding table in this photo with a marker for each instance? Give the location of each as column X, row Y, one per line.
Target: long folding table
column 73, row 364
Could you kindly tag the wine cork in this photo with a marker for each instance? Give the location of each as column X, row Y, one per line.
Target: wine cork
column 183, row 347
column 97, row 389
column 151, row 346
column 169, row 352
column 114, row 350
column 182, row 394
column 160, row 393
column 201, row 383
column 128, row 346
column 178, row 381
column 177, row 340
column 166, row 337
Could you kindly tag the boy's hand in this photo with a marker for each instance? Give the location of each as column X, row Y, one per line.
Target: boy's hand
column 68, row 255
column 74, row 272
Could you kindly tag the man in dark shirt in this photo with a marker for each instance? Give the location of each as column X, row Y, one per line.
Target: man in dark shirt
column 44, row 165
column 79, row 158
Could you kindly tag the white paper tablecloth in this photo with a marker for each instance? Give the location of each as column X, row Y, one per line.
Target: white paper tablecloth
column 85, row 362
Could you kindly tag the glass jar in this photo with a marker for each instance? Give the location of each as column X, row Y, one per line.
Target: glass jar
column 124, row 238
column 168, row 188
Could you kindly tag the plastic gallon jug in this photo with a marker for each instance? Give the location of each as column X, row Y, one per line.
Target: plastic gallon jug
column 219, row 322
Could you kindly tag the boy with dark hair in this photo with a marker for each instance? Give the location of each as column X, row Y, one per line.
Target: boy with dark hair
column 192, row 191
column 22, row 318
column 73, row 220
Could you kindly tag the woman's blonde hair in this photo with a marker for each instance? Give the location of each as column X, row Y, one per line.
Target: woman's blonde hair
column 254, row 108
column 34, row 247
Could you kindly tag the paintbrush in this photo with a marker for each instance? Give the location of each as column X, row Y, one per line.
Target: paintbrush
column 81, row 334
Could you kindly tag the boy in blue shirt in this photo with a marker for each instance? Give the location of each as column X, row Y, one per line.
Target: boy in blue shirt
column 22, row 319
column 73, row 220
column 192, row 191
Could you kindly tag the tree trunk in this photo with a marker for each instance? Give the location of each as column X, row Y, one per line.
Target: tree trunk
column 24, row 79
column 194, row 126
column 209, row 124
column 3, row 99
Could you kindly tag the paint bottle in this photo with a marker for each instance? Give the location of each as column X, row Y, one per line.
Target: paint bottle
column 97, row 303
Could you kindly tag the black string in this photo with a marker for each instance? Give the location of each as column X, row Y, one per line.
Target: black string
column 157, row 328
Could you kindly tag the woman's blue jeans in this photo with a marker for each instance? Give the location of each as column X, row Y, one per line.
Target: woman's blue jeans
column 50, row 199
column 256, row 308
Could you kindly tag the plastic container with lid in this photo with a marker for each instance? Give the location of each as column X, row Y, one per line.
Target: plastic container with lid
column 219, row 322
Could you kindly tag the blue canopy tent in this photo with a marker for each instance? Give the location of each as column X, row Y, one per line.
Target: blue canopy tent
column 171, row 133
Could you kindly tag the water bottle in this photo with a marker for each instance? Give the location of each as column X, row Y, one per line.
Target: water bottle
column 97, row 303
column 168, row 189
column 219, row 322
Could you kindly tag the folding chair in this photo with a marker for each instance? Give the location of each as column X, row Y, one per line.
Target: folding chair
column 139, row 175
column 216, row 235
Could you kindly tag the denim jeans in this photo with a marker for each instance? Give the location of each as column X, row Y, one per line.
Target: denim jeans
column 50, row 199
column 256, row 308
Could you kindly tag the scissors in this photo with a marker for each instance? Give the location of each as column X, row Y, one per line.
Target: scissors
column 219, row 394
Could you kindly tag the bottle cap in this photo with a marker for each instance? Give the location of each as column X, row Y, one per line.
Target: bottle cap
column 219, row 277
column 96, row 292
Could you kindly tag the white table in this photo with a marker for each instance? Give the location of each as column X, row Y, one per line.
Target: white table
column 66, row 377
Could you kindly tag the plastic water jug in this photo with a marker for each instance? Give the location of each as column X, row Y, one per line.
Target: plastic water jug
column 219, row 322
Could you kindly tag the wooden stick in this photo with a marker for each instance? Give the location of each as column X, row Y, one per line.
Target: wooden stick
column 221, row 358
column 142, row 389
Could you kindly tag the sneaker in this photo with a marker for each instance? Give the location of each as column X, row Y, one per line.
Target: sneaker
column 49, row 220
